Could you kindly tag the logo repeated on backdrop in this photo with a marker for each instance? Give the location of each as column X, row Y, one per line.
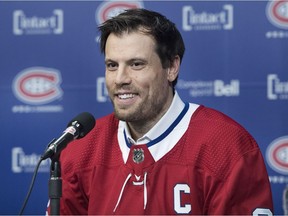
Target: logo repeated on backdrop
column 216, row 88
column 31, row 25
column 22, row 162
column 205, row 20
column 276, row 89
column 277, row 14
column 108, row 9
column 277, row 158
column 37, row 86
column 101, row 90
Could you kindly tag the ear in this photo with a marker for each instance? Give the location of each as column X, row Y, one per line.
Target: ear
column 173, row 70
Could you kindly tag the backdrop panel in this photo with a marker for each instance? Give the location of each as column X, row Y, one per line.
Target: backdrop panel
column 51, row 69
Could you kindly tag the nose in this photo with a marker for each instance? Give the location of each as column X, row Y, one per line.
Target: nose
column 122, row 76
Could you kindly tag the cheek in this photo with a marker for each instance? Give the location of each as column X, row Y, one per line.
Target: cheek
column 109, row 82
column 110, row 76
column 159, row 85
column 162, row 79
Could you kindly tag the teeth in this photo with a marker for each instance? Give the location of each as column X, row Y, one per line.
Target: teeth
column 125, row 96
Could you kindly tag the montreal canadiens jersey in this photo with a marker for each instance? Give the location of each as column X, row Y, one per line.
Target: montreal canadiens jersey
column 213, row 166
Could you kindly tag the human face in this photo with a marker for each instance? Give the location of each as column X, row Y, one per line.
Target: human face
column 138, row 86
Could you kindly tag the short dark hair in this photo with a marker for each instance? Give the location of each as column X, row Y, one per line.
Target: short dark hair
column 169, row 42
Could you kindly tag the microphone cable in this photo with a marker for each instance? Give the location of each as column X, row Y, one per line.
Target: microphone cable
column 77, row 128
column 31, row 186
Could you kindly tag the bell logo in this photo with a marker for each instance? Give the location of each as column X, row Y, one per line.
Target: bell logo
column 228, row 90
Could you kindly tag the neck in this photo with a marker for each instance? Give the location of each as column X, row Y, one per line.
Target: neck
column 140, row 127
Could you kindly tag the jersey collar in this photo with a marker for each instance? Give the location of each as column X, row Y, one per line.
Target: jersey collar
column 161, row 127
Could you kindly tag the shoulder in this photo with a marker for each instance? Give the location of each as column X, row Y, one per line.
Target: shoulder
column 212, row 115
column 218, row 142
column 84, row 152
column 219, row 127
column 104, row 126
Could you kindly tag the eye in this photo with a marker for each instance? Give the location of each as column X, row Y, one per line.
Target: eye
column 137, row 65
column 111, row 66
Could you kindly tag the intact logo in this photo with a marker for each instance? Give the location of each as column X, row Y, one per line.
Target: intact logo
column 37, row 85
column 108, row 9
column 204, row 20
column 276, row 89
column 31, row 25
column 26, row 163
column 101, row 90
column 277, row 155
column 277, row 13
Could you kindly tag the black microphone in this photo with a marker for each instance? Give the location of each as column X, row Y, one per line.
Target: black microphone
column 77, row 128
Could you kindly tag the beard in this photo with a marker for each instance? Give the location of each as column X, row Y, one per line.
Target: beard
column 130, row 114
column 146, row 111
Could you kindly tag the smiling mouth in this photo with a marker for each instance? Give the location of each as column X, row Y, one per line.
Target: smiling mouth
column 126, row 96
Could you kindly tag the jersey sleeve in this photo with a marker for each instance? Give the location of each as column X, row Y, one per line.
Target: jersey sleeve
column 246, row 191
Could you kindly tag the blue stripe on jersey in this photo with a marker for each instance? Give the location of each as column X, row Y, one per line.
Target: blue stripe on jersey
column 163, row 135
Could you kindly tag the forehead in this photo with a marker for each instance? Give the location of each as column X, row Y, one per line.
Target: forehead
column 132, row 43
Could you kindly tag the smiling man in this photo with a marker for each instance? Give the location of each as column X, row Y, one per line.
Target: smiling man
column 156, row 154
column 139, row 87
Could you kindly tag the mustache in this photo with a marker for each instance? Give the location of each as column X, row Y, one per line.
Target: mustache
column 125, row 88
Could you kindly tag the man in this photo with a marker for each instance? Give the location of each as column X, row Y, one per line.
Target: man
column 156, row 154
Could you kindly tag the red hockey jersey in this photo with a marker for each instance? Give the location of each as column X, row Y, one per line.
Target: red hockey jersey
column 215, row 167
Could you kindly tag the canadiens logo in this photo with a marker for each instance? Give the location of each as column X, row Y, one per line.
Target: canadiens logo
column 37, row 85
column 277, row 13
column 109, row 9
column 277, row 155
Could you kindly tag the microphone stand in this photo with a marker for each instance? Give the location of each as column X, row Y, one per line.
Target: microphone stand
column 55, row 185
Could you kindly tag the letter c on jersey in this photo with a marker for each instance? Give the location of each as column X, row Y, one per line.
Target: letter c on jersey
column 178, row 190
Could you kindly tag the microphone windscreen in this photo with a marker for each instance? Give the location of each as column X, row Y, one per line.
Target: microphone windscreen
column 87, row 122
